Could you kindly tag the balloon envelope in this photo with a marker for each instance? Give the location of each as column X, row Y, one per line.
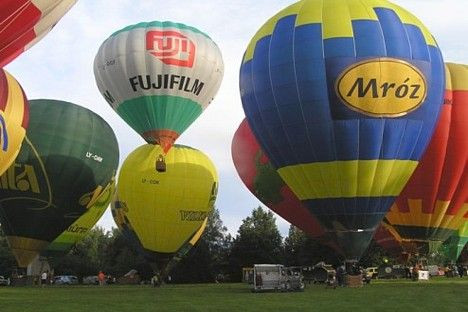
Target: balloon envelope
column 434, row 204
column 159, row 77
column 25, row 22
column 343, row 97
column 161, row 212
column 14, row 117
column 81, row 227
column 259, row 176
column 453, row 247
column 69, row 157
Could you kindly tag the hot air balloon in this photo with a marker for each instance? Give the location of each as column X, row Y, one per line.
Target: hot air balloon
column 255, row 170
column 343, row 97
column 25, row 22
column 81, row 227
column 160, row 213
column 14, row 116
column 434, row 204
column 159, row 77
column 68, row 158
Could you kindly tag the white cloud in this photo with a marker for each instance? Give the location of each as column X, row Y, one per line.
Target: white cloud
column 61, row 67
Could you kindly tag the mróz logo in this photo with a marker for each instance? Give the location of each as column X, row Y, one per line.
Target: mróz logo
column 171, row 47
column 382, row 87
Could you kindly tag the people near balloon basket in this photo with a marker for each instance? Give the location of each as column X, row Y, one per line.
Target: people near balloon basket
column 415, row 272
column 407, row 272
column 340, row 274
column 461, row 270
column 101, row 278
column 44, row 279
column 155, row 281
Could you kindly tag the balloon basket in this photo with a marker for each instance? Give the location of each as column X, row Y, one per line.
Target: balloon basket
column 160, row 164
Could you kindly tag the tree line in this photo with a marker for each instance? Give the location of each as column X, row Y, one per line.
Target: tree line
column 216, row 257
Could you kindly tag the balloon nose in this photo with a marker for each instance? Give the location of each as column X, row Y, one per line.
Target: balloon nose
column 160, row 164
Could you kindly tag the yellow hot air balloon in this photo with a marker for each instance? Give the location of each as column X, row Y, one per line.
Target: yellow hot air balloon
column 161, row 213
column 14, row 118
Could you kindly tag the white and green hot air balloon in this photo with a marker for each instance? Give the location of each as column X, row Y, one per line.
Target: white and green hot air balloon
column 159, row 77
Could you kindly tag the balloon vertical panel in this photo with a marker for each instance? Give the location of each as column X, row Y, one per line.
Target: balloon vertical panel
column 14, row 118
column 343, row 97
column 25, row 22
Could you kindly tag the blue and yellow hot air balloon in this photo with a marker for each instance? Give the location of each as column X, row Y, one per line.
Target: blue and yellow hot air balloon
column 343, row 97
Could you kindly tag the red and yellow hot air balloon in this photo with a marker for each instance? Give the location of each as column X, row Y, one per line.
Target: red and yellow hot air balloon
column 25, row 22
column 14, row 117
column 434, row 204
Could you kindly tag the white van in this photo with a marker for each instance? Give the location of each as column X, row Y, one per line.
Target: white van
column 277, row 278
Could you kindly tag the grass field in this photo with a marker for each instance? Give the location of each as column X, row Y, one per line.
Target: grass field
column 441, row 294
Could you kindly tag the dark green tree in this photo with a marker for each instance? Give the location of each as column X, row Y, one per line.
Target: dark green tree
column 375, row 255
column 257, row 241
column 302, row 250
column 120, row 258
column 87, row 256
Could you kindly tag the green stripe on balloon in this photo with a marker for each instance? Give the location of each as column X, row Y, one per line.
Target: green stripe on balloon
column 161, row 112
column 161, row 25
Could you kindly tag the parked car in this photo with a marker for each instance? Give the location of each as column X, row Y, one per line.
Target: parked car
column 91, row 280
column 66, row 280
column 4, row 281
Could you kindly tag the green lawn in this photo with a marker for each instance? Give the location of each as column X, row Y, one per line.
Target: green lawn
column 440, row 294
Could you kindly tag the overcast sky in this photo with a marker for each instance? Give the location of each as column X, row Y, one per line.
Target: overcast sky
column 61, row 67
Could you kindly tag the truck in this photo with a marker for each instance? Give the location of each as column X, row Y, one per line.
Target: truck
column 276, row 277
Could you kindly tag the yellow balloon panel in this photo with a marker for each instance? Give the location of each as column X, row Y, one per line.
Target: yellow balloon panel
column 14, row 116
column 165, row 209
column 81, row 227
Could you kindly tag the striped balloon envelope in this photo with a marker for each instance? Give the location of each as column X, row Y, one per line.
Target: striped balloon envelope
column 159, row 77
column 434, row 204
column 14, row 118
column 343, row 97
column 25, row 22
column 262, row 180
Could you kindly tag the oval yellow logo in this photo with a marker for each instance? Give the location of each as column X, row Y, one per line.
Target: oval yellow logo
column 382, row 87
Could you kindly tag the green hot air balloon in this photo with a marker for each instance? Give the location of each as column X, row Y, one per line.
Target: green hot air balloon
column 69, row 156
column 81, row 227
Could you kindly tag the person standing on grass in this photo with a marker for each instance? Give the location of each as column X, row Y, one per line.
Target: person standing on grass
column 43, row 278
column 101, row 278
